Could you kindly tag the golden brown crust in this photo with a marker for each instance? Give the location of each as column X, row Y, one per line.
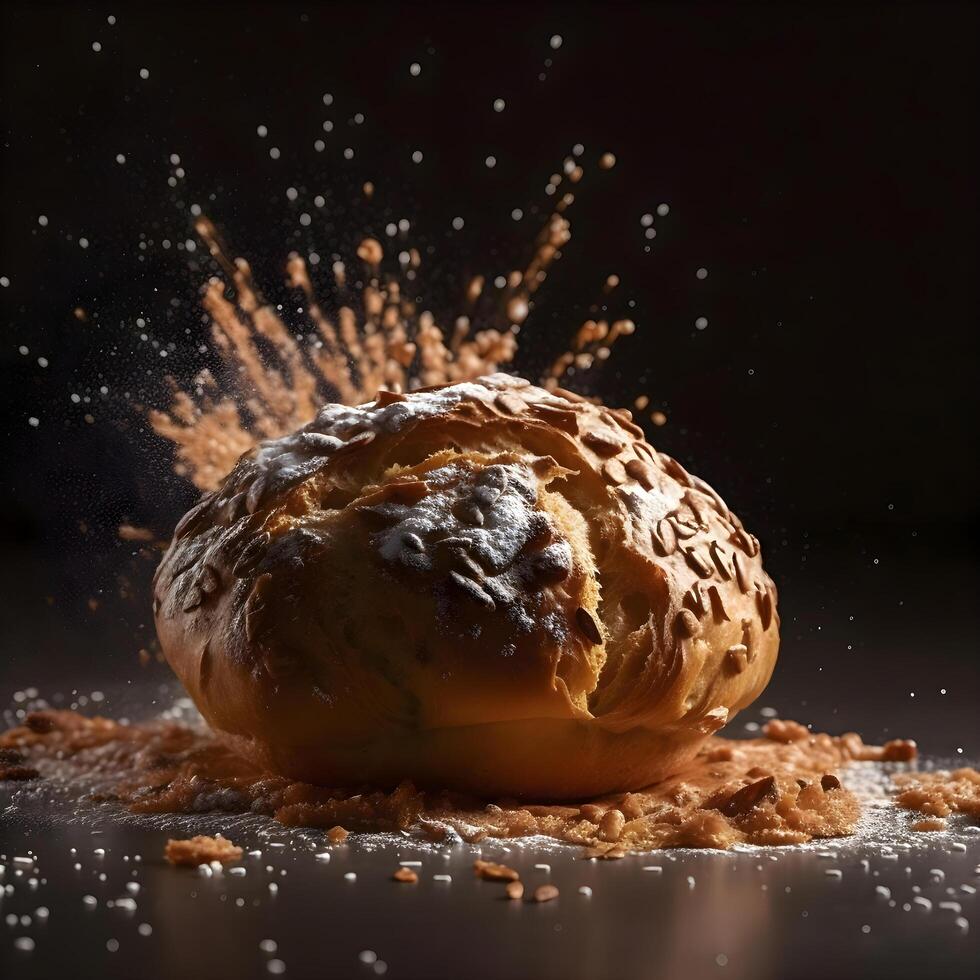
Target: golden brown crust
column 486, row 586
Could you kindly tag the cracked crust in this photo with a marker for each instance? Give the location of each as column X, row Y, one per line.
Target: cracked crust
column 484, row 586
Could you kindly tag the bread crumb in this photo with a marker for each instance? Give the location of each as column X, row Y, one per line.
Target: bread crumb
column 780, row 730
column 515, row 890
column 129, row 532
column 405, row 875
column 933, row 823
column 201, row 850
column 938, row 794
column 494, row 872
column 545, row 893
column 12, row 767
column 687, row 810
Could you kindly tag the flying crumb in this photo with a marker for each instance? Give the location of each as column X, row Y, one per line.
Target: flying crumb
column 129, row 532
column 370, row 251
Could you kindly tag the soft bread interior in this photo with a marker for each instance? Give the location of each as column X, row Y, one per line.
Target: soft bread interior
column 626, row 597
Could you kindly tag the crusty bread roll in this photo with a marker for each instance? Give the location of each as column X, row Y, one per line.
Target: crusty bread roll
column 483, row 586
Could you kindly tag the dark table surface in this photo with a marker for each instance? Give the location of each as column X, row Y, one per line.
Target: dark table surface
column 767, row 913
column 89, row 890
column 861, row 650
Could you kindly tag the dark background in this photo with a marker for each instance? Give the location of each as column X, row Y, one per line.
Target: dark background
column 819, row 160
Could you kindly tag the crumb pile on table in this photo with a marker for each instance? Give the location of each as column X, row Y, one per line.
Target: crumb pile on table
column 788, row 787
